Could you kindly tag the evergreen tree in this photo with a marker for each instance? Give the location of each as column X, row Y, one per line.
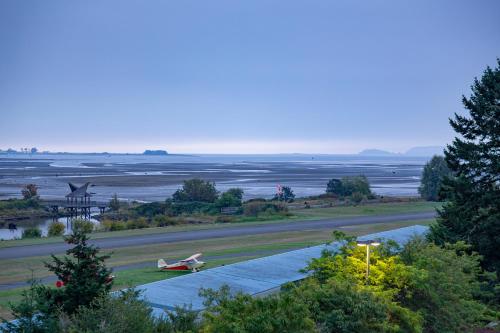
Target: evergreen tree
column 31, row 315
column 473, row 211
column 82, row 275
column 432, row 178
column 83, row 279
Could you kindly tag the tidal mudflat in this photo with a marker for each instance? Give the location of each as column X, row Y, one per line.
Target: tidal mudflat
column 150, row 178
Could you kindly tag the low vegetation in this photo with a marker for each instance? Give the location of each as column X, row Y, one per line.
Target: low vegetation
column 418, row 288
column 198, row 201
column 32, row 232
column 56, row 229
column 19, row 209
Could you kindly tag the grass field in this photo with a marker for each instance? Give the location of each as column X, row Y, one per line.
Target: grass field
column 301, row 214
column 219, row 251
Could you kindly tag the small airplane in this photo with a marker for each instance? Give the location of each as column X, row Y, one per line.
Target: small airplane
column 192, row 263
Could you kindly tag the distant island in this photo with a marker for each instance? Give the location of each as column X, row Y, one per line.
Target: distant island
column 375, row 152
column 155, row 152
column 415, row 151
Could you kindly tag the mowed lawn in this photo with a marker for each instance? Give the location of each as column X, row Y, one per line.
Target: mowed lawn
column 218, row 251
column 366, row 210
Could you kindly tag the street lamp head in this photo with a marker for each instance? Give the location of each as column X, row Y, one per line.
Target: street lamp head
column 368, row 242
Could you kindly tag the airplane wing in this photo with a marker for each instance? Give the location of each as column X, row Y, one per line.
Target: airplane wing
column 194, row 256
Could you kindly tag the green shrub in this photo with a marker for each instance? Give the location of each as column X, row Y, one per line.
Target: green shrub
column 192, row 207
column 125, row 313
column 83, row 226
column 139, row 223
column 113, row 225
column 244, row 313
column 338, row 306
column 33, row 232
column 427, row 284
column 56, row 229
column 445, row 294
column 230, row 198
column 17, row 204
column 254, row 208
column 151, row 209
column 164, row 220
column 224, row 219
column 256, row 200
column 357, row 197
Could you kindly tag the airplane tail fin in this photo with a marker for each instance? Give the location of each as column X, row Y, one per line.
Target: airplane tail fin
column 161, row 263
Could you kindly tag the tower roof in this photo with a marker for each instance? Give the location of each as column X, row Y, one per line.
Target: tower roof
column 78, row 192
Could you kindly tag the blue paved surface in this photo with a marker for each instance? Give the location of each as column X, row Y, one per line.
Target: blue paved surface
column 253, row 276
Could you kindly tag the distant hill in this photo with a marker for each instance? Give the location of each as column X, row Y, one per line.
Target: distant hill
column 155, row 152
column 425, row 151
column 375, row 152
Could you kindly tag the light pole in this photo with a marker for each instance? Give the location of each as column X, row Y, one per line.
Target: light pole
column 367, row 243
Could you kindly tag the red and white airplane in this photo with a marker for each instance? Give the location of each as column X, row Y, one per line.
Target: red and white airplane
column 192, row 263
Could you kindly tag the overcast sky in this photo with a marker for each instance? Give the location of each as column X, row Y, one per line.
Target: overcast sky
column 239, row 76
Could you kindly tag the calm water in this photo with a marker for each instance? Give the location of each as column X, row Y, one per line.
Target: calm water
column 42, row 224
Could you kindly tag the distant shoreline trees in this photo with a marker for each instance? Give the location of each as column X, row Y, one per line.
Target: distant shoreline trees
column 196, row 190
column 355, row 187
column 433, row 175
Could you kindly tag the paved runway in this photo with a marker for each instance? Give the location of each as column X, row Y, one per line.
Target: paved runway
column 231, row 231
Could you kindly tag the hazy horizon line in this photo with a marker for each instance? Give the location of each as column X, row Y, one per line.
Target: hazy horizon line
column 382, row 151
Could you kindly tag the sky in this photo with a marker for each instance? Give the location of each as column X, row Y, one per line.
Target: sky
column 235, row 76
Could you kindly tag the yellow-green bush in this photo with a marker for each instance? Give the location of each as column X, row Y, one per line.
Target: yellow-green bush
column 83, row 225
column 112, row 225
column 56, row 229
column 139, row 223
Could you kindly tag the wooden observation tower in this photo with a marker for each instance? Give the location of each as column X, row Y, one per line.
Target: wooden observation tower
column 78, row 202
